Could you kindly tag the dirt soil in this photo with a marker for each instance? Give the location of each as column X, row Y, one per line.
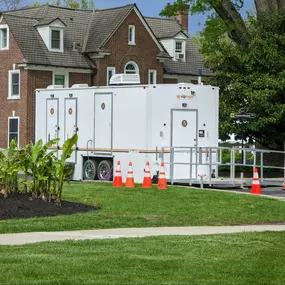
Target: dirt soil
column 22, row 205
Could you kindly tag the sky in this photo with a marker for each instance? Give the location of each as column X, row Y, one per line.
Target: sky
column 152, row 8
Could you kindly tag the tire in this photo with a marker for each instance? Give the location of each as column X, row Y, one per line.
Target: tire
column 90, row 169
column 105, row 170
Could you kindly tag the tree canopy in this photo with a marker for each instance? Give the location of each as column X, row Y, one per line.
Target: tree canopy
column 247, row 56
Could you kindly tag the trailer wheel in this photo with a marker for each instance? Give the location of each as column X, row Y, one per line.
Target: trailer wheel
column 105, row 170
column 90, row 169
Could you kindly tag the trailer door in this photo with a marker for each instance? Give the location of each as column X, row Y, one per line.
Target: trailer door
column 184, row 134
column 103, row 122
column 70, row 122
column 52, row 127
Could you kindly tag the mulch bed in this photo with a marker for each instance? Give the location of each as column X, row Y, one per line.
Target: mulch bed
column 20, row 205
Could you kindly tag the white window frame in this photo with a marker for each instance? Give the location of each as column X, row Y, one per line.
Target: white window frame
column 10, row 96
column 18, row 132
column 113, row 70
column 133, row 40
column 2, row 27
column 135, row 65
column 152, row 71
column 180, row 51
column 61, row 72
column 61, row 39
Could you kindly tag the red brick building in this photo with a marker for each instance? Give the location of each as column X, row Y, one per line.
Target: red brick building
column 48, row 45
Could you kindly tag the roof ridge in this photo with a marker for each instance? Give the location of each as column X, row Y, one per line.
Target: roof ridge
column 21, row 16
column 158, row 18
column 68, row 8
column 115, row 8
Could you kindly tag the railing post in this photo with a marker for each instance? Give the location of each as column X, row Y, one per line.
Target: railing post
column 191, row 156
column 261, row 166
column 171, row 164
column 210, row 167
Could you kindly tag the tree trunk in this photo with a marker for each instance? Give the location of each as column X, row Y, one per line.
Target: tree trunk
column 281, row 4
column 236, row 27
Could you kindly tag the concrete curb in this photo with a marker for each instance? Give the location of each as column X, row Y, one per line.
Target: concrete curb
column 35, row 237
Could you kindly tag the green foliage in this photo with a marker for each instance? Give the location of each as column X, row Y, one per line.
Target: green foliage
column 44, row 173
column 74, row 4
column 251, row 79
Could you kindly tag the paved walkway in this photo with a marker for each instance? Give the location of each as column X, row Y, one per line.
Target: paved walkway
column 33, row 237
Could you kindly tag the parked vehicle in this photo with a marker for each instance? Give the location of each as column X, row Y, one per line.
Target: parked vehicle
column 129, row 122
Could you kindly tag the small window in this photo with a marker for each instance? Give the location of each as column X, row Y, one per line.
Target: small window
column 3, row 38
column 132, row 40
column 13, row 130
column 55, row 39
column 152, row 77
column 14, row 84
column 110, row 72
column 178, row 46
column 131, row 68
column 59, row 79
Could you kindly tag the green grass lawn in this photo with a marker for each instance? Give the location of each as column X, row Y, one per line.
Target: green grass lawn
column 246, row 258
column 177, row 206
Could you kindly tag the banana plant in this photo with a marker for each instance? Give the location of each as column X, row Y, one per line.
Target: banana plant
column 37, row 159
column 62, row 170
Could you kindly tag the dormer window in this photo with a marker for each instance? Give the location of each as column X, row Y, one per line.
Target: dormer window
column 180, row 50
column 132, row 35
column 4, row 37
column 51, row 32
column 56, row 39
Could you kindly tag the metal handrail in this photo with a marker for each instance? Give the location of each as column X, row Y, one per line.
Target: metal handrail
column 208, row 151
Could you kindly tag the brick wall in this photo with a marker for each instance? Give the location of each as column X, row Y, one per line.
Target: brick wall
column 7, row 59
column 80, row 78
column 169, row 80
column 143, row 53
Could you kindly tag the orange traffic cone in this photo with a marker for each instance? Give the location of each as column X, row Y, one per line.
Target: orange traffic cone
column 255, row 188
column 130, row 178
column 162, row 184
column 118, row 182
column 147, row 179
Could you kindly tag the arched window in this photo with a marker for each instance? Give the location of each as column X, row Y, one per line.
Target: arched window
column 131, row 68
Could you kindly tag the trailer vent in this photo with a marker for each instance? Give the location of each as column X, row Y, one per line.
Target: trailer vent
column 125, row 79
column 54, row 86
column 79, row 85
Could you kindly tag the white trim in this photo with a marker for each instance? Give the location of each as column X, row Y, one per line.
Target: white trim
column 54, row 68
column 133, row 29
column 10, row 96
column 61, row 72
column 154, row 76
column 2, row 27
column 51, row 29
column 110, row 68
column 15, row 117
column 134, row 64
column 145, row 25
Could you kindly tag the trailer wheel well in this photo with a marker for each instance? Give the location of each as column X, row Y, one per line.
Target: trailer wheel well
column 103, row 164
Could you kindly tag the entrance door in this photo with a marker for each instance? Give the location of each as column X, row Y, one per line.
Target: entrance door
column 103, row 122
column 70, row 122
column 184, row 134
column 52, row 127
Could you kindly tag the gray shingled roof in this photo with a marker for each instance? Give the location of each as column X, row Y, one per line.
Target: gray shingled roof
column 103, row 24
column 164, row 28
column 194, row 63
column 100, row 24
column 34, row 48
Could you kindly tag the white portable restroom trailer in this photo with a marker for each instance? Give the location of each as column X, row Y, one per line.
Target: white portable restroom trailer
column 130, row 123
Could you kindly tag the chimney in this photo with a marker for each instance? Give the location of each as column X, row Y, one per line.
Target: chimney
column 182, row 17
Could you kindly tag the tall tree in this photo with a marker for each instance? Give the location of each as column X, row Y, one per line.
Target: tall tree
column 248, row 59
